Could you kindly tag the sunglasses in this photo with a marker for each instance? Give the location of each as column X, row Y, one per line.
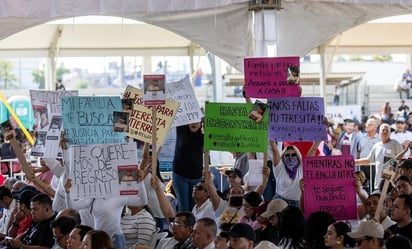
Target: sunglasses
column 291, row 155
column 359, row 241
column 200, row 188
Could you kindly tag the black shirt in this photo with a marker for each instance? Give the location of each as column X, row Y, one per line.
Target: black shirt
column 39, row 234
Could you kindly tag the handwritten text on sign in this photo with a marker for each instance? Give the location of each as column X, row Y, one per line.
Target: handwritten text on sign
column 89, row 120
column 94, row 169
column 229, row 128
column 329, row 186
column 140, row 122
column 53, row 99
column 297, row 119
column 267, row 77
column 189, row 109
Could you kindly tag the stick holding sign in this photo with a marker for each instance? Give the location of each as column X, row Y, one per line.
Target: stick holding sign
column 154, row 138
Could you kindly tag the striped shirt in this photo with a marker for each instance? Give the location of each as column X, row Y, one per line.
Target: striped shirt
column 138, row 229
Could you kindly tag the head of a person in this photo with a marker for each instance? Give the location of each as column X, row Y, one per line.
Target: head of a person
column 316, row 227
column 404, row 185
column 292, row 224
column 5, row 197
column 273, row 210
column 251, row 200
column 385, row 132
column 406, row 167
column 369, row 234
column 200, row 194
column 9, row 182
column 204, row 232
column 61, row 228
column 41, row 207
column 401, row 211
column 398, row 241
column 76, row 236
column 96, row 239
column 241, row 236
column 23, row 202
column 221, row 240
column 361, row 177
column 234, row 177
column 71, row 213
column 371, row 125
column 195, row 127
column 236, row 196
column 291, row 156
column 182, row 226
column 372, row 204
column 401, row 124
column 336, row 234
column 349, row 125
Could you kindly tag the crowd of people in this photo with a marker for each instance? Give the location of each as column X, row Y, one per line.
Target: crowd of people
column 192, row 211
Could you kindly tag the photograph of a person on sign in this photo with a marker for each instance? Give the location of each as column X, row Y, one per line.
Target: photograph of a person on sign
column 293, row 75
column 257, row 112
column 127, row 106
column 120, row 122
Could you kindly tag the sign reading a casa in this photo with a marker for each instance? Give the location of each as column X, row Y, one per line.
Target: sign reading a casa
column 140, row 121
column 270, row 77
column 329, row 186
column 235, row 127
column 297, row 119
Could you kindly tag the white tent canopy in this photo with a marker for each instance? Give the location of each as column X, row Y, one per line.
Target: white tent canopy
column 223, row 27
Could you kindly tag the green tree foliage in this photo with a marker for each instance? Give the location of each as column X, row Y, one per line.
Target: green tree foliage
column 39, row 78
column 7, row 79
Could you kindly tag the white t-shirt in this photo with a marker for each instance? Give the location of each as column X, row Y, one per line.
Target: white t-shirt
column 285, row 186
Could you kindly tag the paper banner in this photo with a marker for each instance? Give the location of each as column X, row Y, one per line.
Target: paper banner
column 103, row 170
column 268, row 77
column 297, row 119
column 89, row 120
column 189, row 108
column 140, row 122
column 330, row 186
column 229, row 128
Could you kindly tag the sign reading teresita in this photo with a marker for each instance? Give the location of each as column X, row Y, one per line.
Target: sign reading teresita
column 235, row 127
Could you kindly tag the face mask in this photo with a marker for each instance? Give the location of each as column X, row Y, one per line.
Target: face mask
column 236, row 201
column 291, row 162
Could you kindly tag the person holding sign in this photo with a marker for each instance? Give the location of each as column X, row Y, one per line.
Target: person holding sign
column 187, row 163
column 287, row 169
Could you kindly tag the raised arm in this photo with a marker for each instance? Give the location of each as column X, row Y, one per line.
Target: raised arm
column 211, row 189
column 165, row 205
column 276, row 154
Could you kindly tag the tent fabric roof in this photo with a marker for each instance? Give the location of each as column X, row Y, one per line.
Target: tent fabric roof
column 224, row 27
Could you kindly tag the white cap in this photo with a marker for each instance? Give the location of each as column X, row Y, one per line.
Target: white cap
column 368, row 228
column 264, row 244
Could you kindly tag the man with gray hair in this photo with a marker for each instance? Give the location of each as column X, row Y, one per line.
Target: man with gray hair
column 204, row 233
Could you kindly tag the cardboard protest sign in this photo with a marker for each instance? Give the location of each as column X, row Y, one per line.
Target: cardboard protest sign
column 89, row 120
column 269, row 77
column 341, row 112
column 103, row 170
column 154, row 90
column 330, row 186
column 47, row 108
column 228, row 127
column 140, row 122
column 189, row 109
column 297, row 119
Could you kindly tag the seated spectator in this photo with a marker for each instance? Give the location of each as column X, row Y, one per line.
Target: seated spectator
column 251, row 200
column 203, row 206
column 22, row 218
column 398, row 241
column 71, row 213
column 292, row 229
column 336, row 236
column 241, row 236
column 61, row 228
column 316, row 227
column 7, row 203
column 372, row 205
column 97, row 239
column 204, row 233
column 401, row 213
column 138, row 226
column 368, row 235
column 182, row 229
column 404, row 185
column 406, row 167
column 76, row 236
column 39, row 233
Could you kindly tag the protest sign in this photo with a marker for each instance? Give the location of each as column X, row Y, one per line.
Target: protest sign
column 228, row 127
column 103, row 170
column 271, row 77
column 47, row 109
column 154, row 90
column 89, row 120
column 140, row 122
column 297, row 119
column 254, row 176
column 189, row 109
column 330, row 186
column 341, row 112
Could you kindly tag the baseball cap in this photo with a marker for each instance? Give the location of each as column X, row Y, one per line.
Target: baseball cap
column 400, row 119
column 264, row 244
column 25, row 197
column 368, row 228
column 239, row 230
column 234, row 171
column 274, row 206
column 407, row 164
column 16, row 194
